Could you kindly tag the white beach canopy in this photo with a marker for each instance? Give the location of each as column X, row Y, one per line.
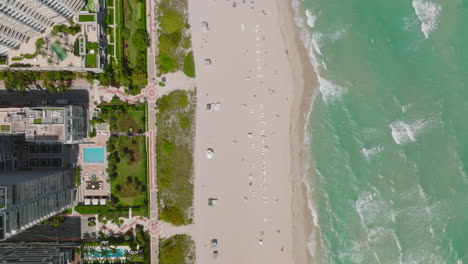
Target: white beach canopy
column 209, row 153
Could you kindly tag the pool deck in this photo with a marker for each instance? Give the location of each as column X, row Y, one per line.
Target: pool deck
column 88, row 169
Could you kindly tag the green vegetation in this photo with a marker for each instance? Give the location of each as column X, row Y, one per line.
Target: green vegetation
column 76, row 47
column 98, row 209
column 178, row 249
column 174, row 39
column 20, row 65
column 86, row 18
column 17, row 58
column 73, row 29
column 127, row 155
column 92, row 49
column 39, row 46
column 3, row 60
column 77, row 176
column 92, row 223
column 172, row 21
column 53, row 81
column 54, row 221
column 138, row 241
column 67, row 211
column 5, row 128
column 37, row 121
column 174, row 152
column 189, row 65
column 129, row 181
column 131, row 43
column 91, row 6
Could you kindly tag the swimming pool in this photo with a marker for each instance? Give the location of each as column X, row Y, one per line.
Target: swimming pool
column 118, row 253
column 93, row 155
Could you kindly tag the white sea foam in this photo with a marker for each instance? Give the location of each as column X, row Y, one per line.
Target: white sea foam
column 428, row 14
column 378, row 233
column 406, row 132
column 406, row 108
column 338, row 34
column 330, row 91
column 371, row 209
column 371, row 152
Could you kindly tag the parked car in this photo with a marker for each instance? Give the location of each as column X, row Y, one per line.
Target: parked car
column 91, row 219
column 215, row 254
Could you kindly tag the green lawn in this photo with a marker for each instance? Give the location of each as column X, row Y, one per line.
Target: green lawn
column 86, row 18
column 126, row 155
column 174, row 152
column 110, row 16
column 91, row 59
column 119, row 21
column 132, row 164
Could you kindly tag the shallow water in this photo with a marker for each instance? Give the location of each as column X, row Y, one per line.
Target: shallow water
column 389, row 137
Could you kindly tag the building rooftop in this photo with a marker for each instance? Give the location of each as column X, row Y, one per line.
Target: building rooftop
column 38, row 124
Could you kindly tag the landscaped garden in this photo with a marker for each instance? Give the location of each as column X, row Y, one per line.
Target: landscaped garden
column 39, row 45
column 178, row 249
column 174, row 151
column 92, row 50
column 53, row 81
column 136, row 239
column 131, row 43
column 174, row 43
column 127, row 153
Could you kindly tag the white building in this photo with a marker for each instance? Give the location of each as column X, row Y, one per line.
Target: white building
column 23, row 19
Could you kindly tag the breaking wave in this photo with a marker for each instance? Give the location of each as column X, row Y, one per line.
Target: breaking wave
column 428, row 14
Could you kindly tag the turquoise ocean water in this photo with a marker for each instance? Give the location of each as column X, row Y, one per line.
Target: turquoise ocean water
column 389, row 130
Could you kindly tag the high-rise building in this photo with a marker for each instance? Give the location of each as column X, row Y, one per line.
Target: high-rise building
column 23, row 19
column 7, row 152
column 64, row 125
column 35, row 254
column 28, row 197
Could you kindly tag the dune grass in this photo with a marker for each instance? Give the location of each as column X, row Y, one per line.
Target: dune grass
column 174, row 147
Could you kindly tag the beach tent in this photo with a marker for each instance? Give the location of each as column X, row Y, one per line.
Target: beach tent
column 209, row 153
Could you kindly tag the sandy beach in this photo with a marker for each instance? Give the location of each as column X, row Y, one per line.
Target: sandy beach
column 254, row 72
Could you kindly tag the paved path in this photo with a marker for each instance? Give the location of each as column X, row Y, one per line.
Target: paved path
column 149, row 226
column 152, row 94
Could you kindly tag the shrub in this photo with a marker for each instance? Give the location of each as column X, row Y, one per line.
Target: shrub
column 184, row 121
column 166, row 63
column 140, row 40
column 177, row 249
column 168, row 43
column 168, row 147
column 172, row 21
column 189, row 65
column 172, row 215
column 76, row 47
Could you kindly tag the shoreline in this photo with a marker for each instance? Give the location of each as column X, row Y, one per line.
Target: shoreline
column 306, row 81
column 260, row 75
